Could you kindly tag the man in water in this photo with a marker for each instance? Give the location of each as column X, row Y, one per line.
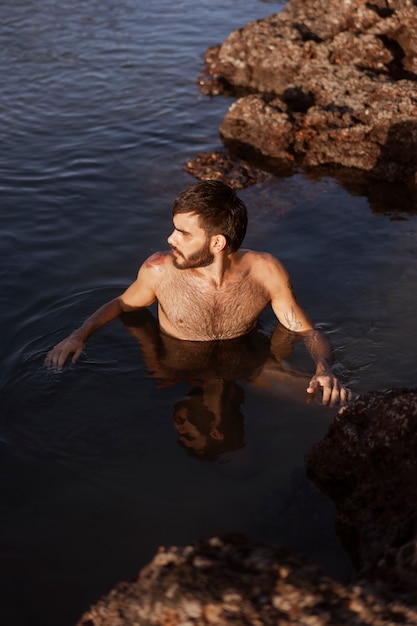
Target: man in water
column 208, row 289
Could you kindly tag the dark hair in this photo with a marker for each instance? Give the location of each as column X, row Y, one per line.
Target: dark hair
column 220, row 210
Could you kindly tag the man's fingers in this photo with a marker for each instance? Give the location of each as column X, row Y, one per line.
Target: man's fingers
column 57, row 357
column 312, row 390
column 345, row 395
column 313, row 386
column 334, row 394
column 52, row 359
column 77, row 354
column 327, row 395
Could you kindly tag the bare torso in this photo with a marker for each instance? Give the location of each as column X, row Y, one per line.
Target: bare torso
column 190, row 307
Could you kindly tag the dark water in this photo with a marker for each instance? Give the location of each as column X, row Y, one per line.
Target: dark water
column 99, row 112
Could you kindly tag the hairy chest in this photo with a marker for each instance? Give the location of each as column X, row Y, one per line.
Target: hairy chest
column 192, row 309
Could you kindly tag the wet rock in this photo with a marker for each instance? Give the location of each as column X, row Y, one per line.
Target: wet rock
column 232, row 580
column 221, row 166
column 328, row 82
column 367, row 464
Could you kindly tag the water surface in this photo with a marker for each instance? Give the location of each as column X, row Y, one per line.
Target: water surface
column 99, row 112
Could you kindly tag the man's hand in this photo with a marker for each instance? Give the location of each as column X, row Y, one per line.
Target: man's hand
column 334, row 394
column 73, row 344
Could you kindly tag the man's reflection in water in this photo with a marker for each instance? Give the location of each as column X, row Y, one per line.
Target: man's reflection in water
column 209, row 420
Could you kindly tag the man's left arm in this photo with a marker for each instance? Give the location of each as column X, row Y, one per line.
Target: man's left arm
column 320, row 350
column 292, row 316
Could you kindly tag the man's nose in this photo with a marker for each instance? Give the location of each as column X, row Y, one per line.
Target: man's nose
column 171, row 239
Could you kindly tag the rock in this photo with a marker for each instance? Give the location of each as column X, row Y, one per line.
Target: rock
column 221, row 166
column 232, row 580
column 328, row 82
column 367, row 464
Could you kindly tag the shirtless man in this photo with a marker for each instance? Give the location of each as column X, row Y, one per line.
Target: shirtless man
column 207, row 288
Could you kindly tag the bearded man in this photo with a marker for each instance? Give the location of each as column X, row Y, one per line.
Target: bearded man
column 209, row 289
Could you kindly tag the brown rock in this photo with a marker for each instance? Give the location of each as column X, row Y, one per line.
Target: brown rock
column 232, row 580
column 367, row 464
column 221, row 166
column 328, row 83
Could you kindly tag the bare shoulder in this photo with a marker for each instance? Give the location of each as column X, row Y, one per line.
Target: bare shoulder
column 142, row 292
column 153, row 270
column 263, row 264
column 158, row 261
column 156, row 267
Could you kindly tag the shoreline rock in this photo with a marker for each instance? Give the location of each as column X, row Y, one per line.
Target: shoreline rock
column 366, row 464
column 232, row 580
column 326, row 83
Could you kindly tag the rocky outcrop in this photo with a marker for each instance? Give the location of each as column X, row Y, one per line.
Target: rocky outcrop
column 229, row 169
column 326, row 82
column 231, row 580
column 367, row 464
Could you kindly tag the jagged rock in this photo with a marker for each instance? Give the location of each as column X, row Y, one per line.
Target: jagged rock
column 231, row 580
column 367, row 464
column 221, row 166
column 329, row 82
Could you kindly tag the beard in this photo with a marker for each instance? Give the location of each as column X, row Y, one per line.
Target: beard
column 201, row 258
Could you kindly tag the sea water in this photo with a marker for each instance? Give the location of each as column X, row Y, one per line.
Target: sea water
column 113, row 457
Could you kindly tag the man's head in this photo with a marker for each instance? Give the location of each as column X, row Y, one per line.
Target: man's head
column 219, row 210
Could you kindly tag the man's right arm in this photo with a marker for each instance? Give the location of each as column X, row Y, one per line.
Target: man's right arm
column 139, row 294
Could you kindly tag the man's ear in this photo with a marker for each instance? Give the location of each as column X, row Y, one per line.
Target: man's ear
column 218, row 243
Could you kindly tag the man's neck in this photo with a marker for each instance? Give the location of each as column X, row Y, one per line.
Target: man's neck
column 217, row 272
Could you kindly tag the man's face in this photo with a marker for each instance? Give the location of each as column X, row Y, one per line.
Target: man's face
column 189, row 243
column 189, row 435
